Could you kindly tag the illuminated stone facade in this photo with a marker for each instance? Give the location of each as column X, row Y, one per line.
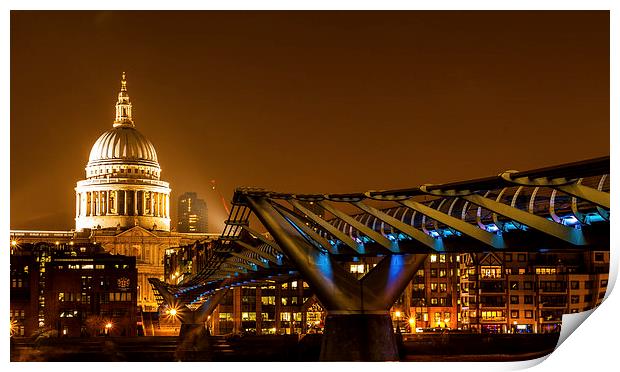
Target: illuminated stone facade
column 122, row 205
column 122, row 188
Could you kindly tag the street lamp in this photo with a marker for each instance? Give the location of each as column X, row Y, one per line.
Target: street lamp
column 13, row 327
column 397, row 315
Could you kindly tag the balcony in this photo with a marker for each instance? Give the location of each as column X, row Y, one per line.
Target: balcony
column 493, row 320
column 493, row 306
column 498, row 290
column 554, row 305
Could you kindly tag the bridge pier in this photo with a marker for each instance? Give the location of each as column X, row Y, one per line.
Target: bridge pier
column 192, row 321
column 359, row 337
column 193, row 330
column 358, row 326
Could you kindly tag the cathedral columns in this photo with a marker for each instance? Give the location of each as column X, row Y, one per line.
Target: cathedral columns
column 167, row 205
column 161, row 202
column 77, row 204
column 83, row 201
column 158, row 198
column 158, row 195
column 163, row 207
column 154, row 204
column 135, row 202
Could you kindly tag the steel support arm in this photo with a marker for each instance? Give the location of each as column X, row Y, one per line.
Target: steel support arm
column 246, row 265
column 565, row 233
column 165, row 293
column 253, row 249
column 380, row 239
column 251, row 259
column 572, row 188
column 207, row 307
column 336, row 288
column 346, row 239
column 457, row 224
column 390, row 277
column 260, row 237
column 401, row 226
column 589, row 194
column 306, row 229
column 232, row 270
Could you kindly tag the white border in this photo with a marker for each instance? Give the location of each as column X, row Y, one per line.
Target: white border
column 592, row 347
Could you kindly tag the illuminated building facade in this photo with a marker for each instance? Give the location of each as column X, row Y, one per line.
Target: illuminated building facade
column 284, row 304
column 122, row 205
column 516, row 292
column 122, row 188
column 192, row 216
column 527, row 292
column 75, row 290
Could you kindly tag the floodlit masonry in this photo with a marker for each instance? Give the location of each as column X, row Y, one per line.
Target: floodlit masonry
column 123, row 205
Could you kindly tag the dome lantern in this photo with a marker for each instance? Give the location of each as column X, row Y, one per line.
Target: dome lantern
column 123, row 106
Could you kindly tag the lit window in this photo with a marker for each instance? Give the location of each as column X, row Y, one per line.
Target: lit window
column 433, row 258
column 248, row 316
column 491, row 271
column 357, row 269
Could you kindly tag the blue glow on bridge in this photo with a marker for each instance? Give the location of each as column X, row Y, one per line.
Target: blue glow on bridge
column 570, row 221
column 594, row 217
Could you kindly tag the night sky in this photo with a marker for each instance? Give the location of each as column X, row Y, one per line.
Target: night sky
column 307, row 102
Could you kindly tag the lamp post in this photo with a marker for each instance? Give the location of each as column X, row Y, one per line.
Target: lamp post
column 397, row 315
column 412, row 325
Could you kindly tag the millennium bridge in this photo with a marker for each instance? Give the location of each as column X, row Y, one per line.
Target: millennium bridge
column 542, row 210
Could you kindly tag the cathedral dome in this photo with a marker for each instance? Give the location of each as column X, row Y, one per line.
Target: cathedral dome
column 122, row 188
column 123, row 143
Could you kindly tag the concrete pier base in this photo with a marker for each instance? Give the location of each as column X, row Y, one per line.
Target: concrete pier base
column 193, row 330
column 359, row 337
column 195, row 344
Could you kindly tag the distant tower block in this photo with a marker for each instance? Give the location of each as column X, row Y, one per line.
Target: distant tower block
column 192, row 217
